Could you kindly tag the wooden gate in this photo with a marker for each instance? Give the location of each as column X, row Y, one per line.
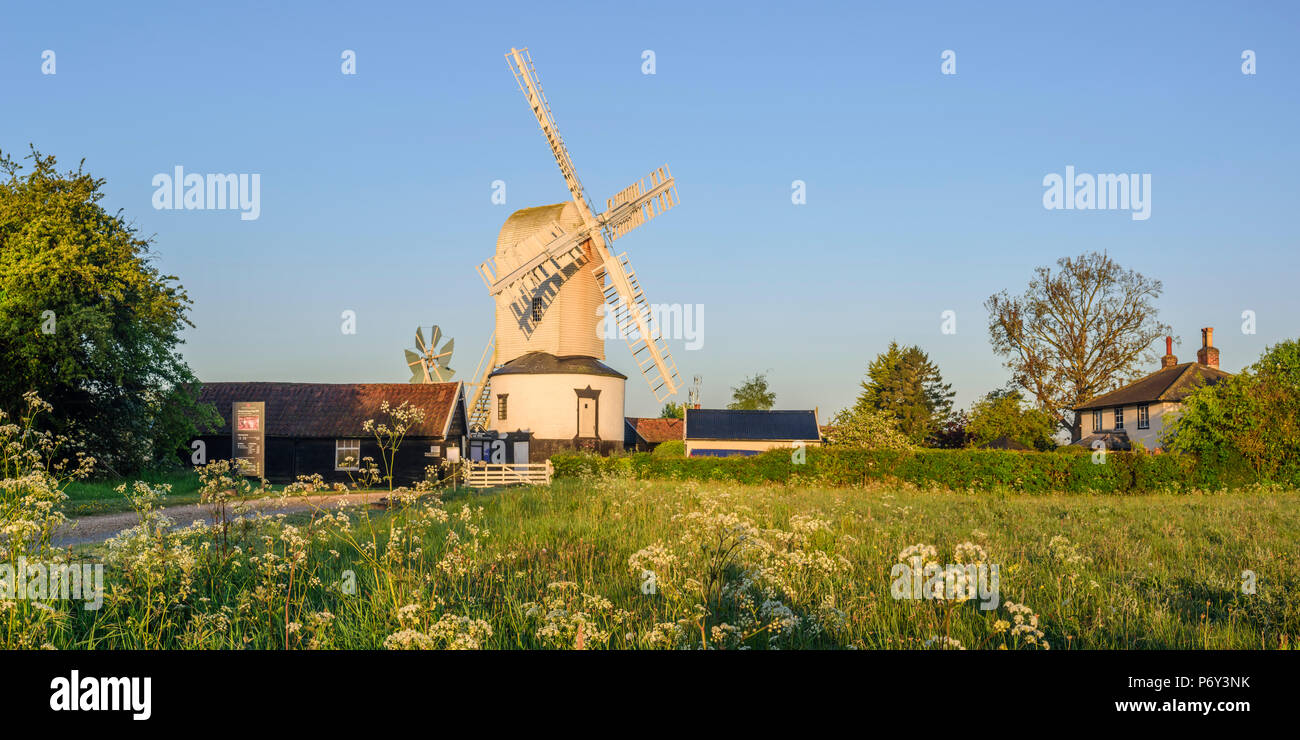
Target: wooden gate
column 483, row 475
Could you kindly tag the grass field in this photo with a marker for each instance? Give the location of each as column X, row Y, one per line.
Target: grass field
column 100, row 497
column 86, row 498
column 568, row 566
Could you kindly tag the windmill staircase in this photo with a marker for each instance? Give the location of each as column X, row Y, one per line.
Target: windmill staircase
column 480, row 392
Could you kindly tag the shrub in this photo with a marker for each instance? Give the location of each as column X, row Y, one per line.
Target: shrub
column 978, row 470
column 671, row 448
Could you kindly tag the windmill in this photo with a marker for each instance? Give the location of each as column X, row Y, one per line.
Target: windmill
column 554, row 271
column 428, row 363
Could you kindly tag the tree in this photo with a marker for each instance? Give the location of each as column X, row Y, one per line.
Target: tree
column 863, row 426
column 1253, row 417
column 953, row 432
column 903, row 383
column 753, row 394
column 1075, row 333
column 673, row 411
column 1004, row 413
column 89, row 323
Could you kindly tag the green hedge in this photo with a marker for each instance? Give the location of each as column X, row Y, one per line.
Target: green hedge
column 982, row 470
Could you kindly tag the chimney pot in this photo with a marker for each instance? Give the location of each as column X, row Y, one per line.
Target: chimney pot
column 1168, row 360
column 1208, row 354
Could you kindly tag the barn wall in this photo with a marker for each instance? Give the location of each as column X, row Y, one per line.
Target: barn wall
column 289, row 457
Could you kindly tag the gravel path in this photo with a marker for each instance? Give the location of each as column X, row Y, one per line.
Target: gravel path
column 99, row 527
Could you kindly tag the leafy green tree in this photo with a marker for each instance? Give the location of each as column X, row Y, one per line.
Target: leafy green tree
column 673, row 411
column 952, row 433
column 1075, row 333
column 903, row 383
column 89, row 323
column 753, row 394
column 1004, row 413
column 863, row 426
column 1253, row 416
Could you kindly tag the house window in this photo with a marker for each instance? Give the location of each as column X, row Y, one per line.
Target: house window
column 1096, row 420
column 501, row 407
column 347, row 454
column 1144, row 417
column 537, row 308
column 1119, row 417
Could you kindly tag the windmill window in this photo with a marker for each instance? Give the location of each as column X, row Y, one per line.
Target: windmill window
column 1144, row 417
column 1119, row 417
column 501, row 407
column 537, row 308
column 347, row 454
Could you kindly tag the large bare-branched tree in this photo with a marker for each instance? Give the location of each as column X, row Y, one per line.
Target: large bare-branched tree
column 1082, row 330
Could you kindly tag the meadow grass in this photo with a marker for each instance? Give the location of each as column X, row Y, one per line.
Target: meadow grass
column 566, row 566
column 100, row 496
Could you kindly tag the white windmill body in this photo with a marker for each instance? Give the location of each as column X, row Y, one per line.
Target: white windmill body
column 550, row 382
column 541, row 378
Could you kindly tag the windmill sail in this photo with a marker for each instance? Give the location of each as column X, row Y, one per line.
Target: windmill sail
column 636, row 204
column 627, row 210
column 632, row 317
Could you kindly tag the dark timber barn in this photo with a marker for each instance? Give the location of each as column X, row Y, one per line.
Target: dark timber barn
column 315, row 427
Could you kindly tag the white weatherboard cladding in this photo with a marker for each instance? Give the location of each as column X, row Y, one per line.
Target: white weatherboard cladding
column 547, row 404
column 570, row 322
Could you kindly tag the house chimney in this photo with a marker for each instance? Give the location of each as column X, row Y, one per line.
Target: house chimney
column 1168, row 360
column 1208, row 354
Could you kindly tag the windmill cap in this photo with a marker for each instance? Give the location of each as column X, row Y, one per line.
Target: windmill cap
column 544, row 363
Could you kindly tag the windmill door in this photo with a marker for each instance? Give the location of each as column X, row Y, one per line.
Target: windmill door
column 586, row 417
column 588, row 412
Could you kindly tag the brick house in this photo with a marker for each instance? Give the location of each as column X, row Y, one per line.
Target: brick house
column 1140, row 411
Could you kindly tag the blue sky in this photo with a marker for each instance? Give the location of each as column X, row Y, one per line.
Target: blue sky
column 924, row 191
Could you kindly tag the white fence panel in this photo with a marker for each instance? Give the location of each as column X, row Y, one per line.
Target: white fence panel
column 481, row 475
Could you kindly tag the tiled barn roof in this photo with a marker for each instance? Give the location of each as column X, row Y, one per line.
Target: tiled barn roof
column 656, row 430
column 334, row 410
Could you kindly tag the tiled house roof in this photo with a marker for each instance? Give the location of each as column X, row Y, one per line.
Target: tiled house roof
column 751, row 425
column 334, row 410
column 653, row 431
column 1166, row 384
